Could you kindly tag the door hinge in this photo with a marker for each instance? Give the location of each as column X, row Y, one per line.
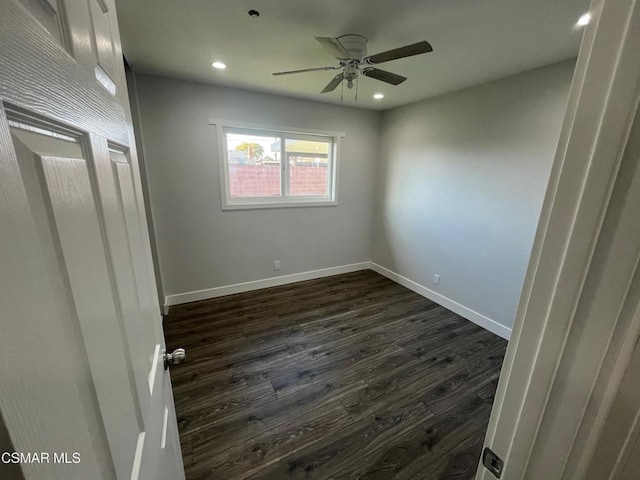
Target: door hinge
column 492, row 462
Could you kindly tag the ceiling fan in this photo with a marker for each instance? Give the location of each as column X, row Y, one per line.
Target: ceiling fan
column 351, row 51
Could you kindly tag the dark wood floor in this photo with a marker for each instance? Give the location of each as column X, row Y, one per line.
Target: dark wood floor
column 347, row 377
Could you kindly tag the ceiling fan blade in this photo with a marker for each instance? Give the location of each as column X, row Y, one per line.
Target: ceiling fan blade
column 334, row 47
column 331, row 86
column 402, row 52
column 319, row 69
column 383, row 76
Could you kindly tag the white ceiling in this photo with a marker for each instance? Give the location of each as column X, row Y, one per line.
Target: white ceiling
column 474, row 41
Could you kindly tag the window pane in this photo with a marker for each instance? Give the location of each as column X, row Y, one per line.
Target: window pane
column 308, row 163
column 254, row 165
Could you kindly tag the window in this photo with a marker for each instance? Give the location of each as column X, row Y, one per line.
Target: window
column 276, row 167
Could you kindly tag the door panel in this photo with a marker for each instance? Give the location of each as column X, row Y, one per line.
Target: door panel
column 79, row 312
column 47, row 385
column 47, row 12
column 129, row 201
column 106, row 72
column 167, row 469
column 39, row 76
column 159, row 463
column 139, row 344
column 68, row 198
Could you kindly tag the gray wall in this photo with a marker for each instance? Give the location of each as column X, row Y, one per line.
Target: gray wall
column 460, row 185
column 200, row 246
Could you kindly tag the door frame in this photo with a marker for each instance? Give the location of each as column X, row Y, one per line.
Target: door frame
column 549, row 327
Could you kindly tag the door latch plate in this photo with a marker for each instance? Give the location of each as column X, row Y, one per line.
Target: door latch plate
column 492, row 462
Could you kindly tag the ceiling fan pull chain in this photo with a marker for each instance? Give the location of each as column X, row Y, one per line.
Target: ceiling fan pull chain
column 342, row 93
column 357, row 83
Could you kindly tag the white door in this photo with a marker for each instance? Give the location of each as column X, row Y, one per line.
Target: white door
column 83, row 390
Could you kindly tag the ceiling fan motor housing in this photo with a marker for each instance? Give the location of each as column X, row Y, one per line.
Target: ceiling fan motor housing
column 356, row 45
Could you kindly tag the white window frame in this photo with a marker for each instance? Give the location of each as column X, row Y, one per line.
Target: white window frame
column 285, row 200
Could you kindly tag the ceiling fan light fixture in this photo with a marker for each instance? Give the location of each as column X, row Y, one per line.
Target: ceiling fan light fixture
column 218, row 65
column 378, row 96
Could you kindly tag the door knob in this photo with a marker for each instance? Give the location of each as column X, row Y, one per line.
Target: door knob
column 178, row 356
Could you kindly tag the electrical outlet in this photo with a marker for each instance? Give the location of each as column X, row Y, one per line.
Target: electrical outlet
column 276, row 265
column 436, row 279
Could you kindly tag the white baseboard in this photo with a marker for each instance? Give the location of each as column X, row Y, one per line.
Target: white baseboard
column 208, row 293
column 455, row 307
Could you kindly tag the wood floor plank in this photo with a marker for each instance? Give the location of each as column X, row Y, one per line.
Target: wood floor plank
column 245, row 425
column 196, row 378
column 413, row 453
column 347, row 444
column 345, row 377
column 363, row 360
column 460, row 464
column 435, row 381
column 269, row 447
column 210, row 407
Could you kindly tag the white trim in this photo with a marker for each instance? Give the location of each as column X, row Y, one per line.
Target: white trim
column 337, row 144
column 198, row 295
column 154, row 368
column 285, row 200
column 285, row 203
column 165, row 422
column 105, row 81
column 222, row 164
column 258, row 126
column 465, row 312
column 137, row 457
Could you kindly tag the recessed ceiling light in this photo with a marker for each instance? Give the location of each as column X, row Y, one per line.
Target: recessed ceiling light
column 584, row 20
column 378, row 96
column 219, row 65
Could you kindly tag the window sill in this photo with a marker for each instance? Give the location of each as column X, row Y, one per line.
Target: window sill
column 279, row 204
